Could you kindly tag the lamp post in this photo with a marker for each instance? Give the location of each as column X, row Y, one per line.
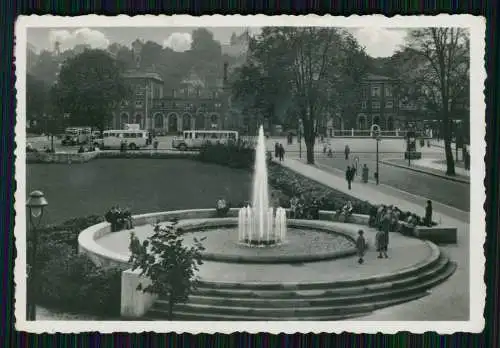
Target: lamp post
column 375, row 131
column 36, row 205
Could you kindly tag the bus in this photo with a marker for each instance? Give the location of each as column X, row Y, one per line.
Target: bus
column 134, row 139
column 76, row 136
column 195, row 139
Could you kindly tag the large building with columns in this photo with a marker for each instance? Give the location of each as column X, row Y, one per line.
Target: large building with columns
column 191, row 106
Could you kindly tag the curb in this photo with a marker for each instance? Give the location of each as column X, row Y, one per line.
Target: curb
column 426, row 172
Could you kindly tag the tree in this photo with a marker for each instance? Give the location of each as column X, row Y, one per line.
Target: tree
column 89, row 86
column 441, row 75
column 307, row 71
column 36, row 98
column 167, row 262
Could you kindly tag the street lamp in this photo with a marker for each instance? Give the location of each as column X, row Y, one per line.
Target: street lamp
column 375, row 130
column 36, row 205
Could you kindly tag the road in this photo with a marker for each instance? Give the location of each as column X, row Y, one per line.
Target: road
column 454, row 194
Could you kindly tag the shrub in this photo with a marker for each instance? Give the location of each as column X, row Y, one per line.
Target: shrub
column 69, row 281
column 232, row 155
column 169, row 264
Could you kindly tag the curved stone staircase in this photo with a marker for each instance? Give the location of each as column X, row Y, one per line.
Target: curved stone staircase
column 337, row 300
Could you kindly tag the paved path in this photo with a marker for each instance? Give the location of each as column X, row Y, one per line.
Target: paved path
column 448, row 301
column 403, row 252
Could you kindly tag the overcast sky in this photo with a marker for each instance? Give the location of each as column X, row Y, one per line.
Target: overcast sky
column 379, row 42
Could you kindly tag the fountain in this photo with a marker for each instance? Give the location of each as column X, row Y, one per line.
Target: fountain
column 260, row 224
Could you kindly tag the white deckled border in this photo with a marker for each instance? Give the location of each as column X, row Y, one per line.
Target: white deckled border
column 477, row 196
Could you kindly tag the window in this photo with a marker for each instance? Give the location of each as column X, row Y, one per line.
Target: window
column 218, row 105
column 389, row 104
column 364, row 93
column 375, row 105
column 363, row 105
column 139, row 91
column 138, row 104
column 124, row 103
column 375, row 91
column 388, row 91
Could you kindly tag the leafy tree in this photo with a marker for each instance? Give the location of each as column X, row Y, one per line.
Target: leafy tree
column 306, row 71
column 36, row 97
column 439, row 71
column 88, row 87
column 167, row 262
column 46, row 67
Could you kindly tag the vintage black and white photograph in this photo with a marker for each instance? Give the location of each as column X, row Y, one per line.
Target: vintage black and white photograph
column 228, row 173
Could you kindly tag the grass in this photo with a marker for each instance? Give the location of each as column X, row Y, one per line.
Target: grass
column 143, row 185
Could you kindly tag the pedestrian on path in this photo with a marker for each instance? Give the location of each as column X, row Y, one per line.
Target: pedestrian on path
column 365, row 173
column 347, row 151
column 276, row 150
column 361, row 246
column 428, row 214
column 281, row 152
column 349, row 176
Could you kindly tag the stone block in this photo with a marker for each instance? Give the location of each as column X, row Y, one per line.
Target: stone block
column 437, row 234
column 135, row 303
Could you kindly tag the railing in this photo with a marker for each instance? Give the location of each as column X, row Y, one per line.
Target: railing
column 368, row 133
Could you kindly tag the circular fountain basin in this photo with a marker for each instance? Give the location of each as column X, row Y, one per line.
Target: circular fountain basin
column 302, row 245
column 307, row 241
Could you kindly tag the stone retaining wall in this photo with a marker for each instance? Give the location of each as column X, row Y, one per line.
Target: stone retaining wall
column 60, row 157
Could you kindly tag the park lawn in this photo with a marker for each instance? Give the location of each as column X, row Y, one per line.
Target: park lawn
column 143, row 185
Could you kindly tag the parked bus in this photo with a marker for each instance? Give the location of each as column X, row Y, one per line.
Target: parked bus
column 195, row 139
column 112, row 139
column 76, row 136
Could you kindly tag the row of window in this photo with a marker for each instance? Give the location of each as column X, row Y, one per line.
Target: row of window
column 376, row 105
column 139, row 104
column 376, row 91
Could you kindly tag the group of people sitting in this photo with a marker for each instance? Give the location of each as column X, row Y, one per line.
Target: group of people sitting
column 394, row 219
column 300, row 208
column 345, row 211
column 222, row 207
column 119, row 219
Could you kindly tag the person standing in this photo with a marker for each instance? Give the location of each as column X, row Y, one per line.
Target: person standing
column 365, row 173
column 276, row 150
column 428, row 214
column 347, row 151
column 348, row 176
column 281, row 152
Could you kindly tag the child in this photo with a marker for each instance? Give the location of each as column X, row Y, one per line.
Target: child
column 361, row 246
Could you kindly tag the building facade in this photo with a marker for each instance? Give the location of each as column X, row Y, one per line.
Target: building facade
column 380, row 104
column 191, row 106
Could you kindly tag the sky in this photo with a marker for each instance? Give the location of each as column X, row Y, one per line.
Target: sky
column 378, row 42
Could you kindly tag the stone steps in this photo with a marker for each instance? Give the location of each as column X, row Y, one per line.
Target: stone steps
column 342, row 293
column 275, row 302
column 329, row 298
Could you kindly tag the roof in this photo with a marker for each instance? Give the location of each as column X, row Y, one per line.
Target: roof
column 142, row 75
column 373, row 77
